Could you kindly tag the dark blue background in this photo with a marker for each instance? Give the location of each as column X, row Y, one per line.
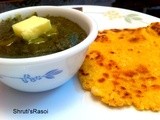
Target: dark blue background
column 151, row 7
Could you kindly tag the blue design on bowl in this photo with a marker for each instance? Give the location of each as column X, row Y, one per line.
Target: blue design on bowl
column 28, row 78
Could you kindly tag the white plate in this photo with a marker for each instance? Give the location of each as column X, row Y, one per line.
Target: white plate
column 70, row 102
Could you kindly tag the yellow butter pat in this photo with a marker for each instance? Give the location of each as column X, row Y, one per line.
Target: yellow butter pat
column 32, row 27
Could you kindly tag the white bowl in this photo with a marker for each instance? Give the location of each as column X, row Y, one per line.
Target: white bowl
column 46, row 72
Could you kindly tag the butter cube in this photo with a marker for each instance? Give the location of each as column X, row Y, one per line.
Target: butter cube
column 32, row 27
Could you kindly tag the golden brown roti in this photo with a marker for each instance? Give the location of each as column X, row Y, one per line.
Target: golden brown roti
column 122, row 67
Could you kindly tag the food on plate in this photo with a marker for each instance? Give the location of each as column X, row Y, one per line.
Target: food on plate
column 36, row 36
column 122, row 67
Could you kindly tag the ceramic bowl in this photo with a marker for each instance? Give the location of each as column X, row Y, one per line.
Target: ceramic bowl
column 36, row 74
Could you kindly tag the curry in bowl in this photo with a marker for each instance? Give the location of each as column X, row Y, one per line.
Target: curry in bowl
column 63, row 35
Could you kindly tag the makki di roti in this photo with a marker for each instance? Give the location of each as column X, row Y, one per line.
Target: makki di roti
column 122, row 67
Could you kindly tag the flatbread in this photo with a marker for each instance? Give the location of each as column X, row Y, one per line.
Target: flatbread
column 122, row 67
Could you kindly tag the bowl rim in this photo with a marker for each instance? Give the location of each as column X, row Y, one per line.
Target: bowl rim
column 65, row 53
